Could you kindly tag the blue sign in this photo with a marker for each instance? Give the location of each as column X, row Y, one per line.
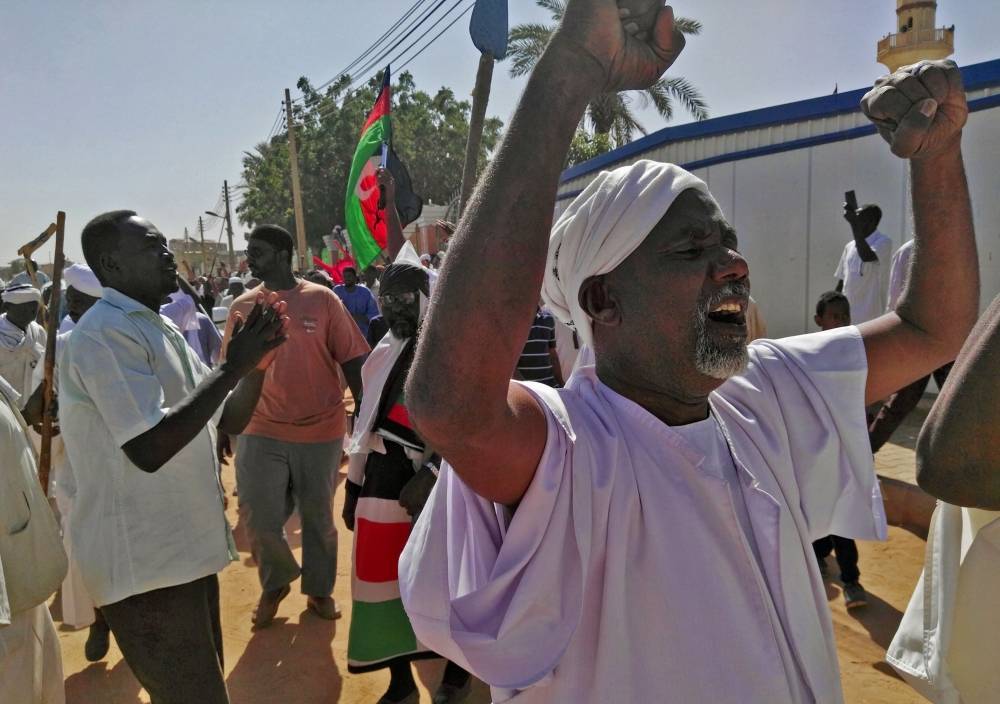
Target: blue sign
column 488, row 27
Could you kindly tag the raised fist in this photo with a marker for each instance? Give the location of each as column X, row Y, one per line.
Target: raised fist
column 920, row 109
column 630, row 42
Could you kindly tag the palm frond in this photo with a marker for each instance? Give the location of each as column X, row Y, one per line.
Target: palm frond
column 687, row 25
column 556, row 7
column 525, row 45
column 685, row 92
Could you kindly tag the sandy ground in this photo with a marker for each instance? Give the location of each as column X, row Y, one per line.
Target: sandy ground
column 301, row 659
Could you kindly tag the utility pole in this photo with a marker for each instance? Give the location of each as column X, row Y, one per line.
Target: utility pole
column 300, row 227
column 201, row 232
column 229, row 227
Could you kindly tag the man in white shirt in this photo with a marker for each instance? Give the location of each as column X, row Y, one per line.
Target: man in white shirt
column 22, row 340
column 83, row 290
column 861, row 271
column 644, row 533
column 138, row 412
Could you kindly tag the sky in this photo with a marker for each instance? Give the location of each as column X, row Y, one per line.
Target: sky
column 149, row 106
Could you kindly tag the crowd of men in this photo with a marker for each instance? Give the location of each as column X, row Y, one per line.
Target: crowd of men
column 649, row 522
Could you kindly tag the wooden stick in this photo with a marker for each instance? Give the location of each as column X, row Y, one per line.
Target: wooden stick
column 480, row 98
column 45, row 454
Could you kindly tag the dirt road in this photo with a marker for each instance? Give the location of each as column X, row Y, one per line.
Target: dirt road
column 301, row 659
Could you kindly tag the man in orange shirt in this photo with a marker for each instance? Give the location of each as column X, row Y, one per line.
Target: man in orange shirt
column 289, row 452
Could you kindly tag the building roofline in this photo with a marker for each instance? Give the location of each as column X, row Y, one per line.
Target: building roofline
column 975, row 76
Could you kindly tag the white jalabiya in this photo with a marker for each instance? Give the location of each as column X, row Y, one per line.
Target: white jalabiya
column 77, row 605
column 625, row 576
column 602, row 226
column 20, row 352
column 946, row 643
column 30, row 661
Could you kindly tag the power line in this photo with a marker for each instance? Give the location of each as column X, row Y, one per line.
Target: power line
column 437, row 36
column 381, row 58
column 274, row 125
column 372, row 47
column 329, row 110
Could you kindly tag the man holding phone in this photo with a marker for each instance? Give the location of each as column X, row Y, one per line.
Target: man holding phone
column 860, row 272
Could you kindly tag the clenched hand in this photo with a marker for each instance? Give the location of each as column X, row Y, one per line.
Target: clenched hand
column 632, row 42
column 920, row 109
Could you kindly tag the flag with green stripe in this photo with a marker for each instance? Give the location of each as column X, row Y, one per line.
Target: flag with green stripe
column 365, row 220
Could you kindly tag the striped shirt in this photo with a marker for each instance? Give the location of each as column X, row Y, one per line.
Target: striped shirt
column 535, row 364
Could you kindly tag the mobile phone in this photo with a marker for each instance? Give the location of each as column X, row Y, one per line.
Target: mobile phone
column 851, row 200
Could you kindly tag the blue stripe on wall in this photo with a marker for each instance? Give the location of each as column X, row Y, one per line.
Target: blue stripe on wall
column 990, row 101
column 976, row 76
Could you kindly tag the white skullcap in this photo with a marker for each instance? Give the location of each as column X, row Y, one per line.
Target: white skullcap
column 602, row 226
column 80, row 277
column 21, row 293
column 235, row 280
column 220, row 314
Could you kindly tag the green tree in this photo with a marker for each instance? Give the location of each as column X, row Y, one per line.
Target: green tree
column 608, row 114
column 429, row 135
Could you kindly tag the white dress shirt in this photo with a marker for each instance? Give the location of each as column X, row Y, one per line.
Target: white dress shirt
column 864, row 282
column 124, row 366
column 626, row 573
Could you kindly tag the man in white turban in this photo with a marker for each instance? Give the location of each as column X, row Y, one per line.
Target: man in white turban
column 22, row 340
column 644, row 534
column 83, row 290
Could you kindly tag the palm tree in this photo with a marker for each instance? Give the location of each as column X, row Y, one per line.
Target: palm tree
column 610, row 113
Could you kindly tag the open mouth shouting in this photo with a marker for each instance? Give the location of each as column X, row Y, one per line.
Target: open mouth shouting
column 730, row 311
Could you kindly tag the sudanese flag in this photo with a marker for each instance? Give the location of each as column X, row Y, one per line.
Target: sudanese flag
column 365, row 220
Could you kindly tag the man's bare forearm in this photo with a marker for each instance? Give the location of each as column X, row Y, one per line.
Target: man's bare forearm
column 942, row 296
column 240, row 405
column 958, row 451
column 488, row 290
column 155, row 447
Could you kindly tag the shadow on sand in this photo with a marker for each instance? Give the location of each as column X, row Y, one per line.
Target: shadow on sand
column 97, row 683
column 288, row 662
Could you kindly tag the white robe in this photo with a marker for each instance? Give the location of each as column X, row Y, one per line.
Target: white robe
column 945, row 647
column 20, row 352
column 77, row 606
column 624, row 574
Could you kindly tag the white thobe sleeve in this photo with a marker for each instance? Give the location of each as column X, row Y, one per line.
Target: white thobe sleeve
column 806, row 401
column 499, row 595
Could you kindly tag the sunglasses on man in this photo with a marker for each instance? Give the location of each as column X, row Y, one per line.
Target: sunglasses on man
column 406, row 297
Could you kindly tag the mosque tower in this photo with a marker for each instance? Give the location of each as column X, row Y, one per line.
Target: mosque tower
column 916, row 36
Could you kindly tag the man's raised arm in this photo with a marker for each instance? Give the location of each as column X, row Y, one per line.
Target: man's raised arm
column 920, row 110
column 958, row 451
column 459, row 391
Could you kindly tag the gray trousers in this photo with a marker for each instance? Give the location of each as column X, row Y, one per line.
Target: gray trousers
column 274, row 477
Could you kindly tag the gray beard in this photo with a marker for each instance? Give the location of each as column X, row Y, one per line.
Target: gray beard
column 719, row 361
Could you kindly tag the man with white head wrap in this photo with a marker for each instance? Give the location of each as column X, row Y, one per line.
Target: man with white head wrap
column 83, row 290
column 22, row 340
column 390, row 474
column 644, row 534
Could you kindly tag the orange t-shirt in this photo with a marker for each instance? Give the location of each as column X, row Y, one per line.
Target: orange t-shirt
column 303, row 399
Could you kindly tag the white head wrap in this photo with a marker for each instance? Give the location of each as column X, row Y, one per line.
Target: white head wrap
column 602, row 227
column 235, row 280
column 80, row 277
column 22, row 293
